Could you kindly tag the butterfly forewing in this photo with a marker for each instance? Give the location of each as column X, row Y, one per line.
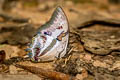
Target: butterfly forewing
column 57, row 24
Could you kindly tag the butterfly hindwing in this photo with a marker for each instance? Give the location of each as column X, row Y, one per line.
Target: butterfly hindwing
column 52, row 38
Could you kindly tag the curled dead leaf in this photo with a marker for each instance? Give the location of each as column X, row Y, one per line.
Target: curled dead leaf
column 2, row 56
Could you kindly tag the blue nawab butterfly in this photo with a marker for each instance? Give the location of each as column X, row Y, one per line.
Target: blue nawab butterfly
column 52, row 38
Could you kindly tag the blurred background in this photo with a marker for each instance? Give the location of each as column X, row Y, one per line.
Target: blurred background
column 40, row 10
column 36, row 12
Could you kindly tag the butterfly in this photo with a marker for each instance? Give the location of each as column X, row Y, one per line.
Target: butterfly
column 51, row 40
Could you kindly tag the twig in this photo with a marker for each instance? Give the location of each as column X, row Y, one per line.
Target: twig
column 53, row 75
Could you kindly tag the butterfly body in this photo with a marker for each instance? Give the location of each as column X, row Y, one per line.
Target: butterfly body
column 52, row 38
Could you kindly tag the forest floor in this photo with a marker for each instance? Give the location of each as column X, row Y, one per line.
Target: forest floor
column 94, row 40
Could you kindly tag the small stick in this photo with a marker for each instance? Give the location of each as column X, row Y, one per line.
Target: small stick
column 47, row 73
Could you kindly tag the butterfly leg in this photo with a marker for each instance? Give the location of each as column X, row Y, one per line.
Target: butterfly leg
column 55, row 60
column 68, row 58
